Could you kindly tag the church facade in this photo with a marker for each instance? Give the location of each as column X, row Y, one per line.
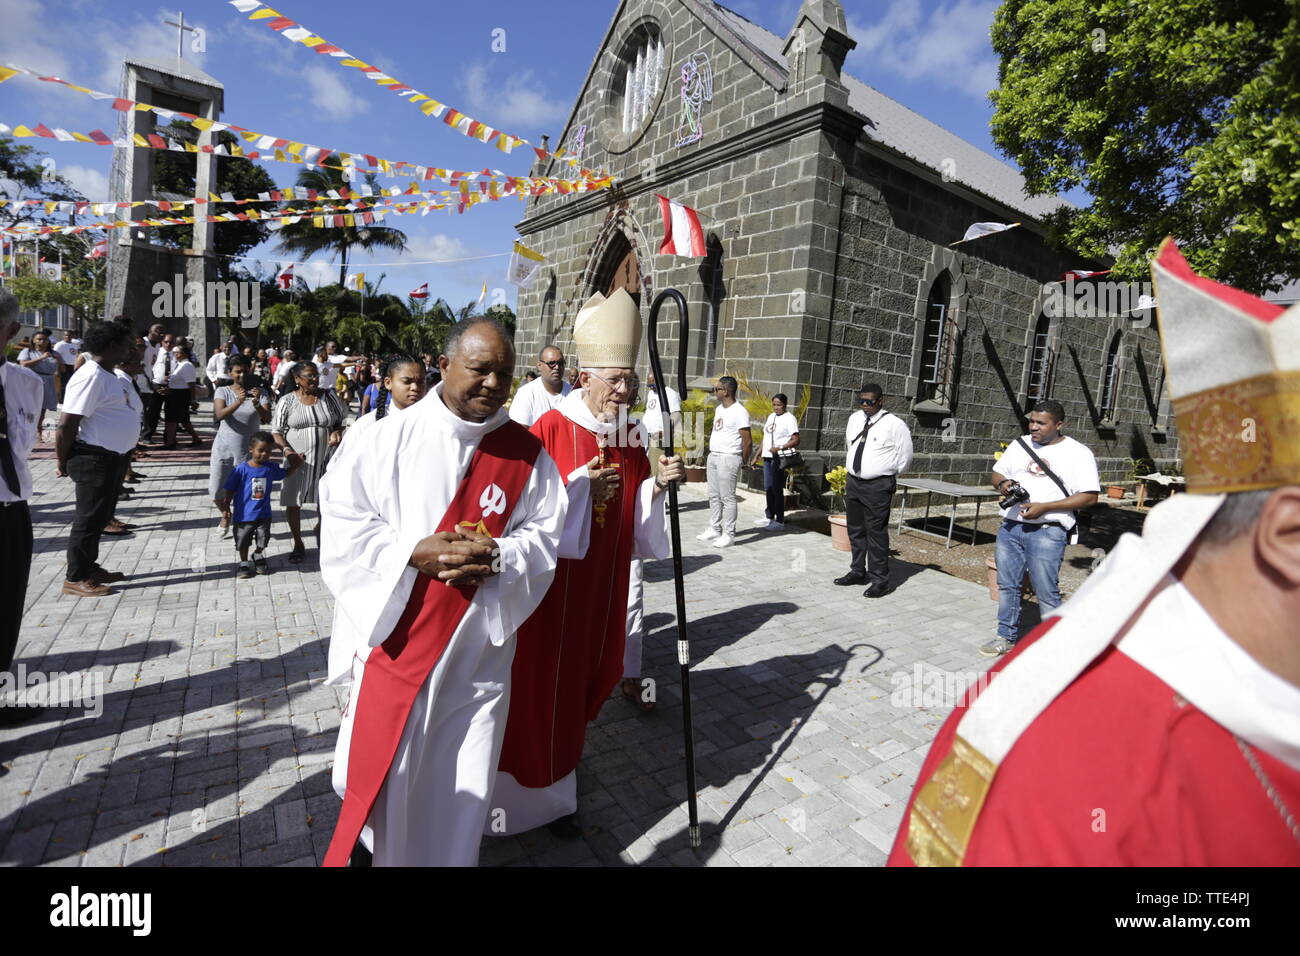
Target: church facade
column 829, row 211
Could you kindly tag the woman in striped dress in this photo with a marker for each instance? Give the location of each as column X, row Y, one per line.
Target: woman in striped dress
column 307, row 420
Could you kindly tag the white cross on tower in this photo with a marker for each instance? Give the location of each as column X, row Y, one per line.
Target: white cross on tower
column 181, row 30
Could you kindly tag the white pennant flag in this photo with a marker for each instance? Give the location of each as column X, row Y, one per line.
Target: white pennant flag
column 524, row 265
column 979, row 230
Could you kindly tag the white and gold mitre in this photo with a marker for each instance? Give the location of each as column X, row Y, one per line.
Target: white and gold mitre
column 1233, row 364
column 607, row 331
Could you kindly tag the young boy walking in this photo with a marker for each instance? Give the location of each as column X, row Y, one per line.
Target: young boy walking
column 250, row 484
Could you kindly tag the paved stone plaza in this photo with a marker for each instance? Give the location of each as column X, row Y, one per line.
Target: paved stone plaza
column 216, row 735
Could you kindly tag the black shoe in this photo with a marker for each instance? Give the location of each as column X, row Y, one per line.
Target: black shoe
column 878, row 590
column 565, row 828
column 853, row 577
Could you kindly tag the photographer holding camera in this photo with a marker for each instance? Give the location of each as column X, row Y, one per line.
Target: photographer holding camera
column 1044, row 478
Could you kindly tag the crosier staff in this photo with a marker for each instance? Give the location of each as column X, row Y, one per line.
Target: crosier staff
column 683, row 641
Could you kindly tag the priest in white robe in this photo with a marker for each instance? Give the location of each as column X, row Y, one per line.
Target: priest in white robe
column 439, row 540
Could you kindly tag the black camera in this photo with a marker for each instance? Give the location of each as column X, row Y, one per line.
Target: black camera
column 1013, row 494
column 254, row 381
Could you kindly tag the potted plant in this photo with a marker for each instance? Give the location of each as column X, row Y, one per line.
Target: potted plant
column 693, row 443
column 838, row 479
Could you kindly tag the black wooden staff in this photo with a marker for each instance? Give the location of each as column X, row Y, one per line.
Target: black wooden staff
column 683, row 642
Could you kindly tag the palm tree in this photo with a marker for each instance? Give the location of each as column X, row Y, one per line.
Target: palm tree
column 366, row 334
column 305, row 239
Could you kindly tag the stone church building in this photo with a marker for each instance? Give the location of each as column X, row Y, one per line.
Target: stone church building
column 829, row 210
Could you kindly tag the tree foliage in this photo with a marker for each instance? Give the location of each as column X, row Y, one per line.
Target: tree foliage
column 302, row 238
column 1179, row 118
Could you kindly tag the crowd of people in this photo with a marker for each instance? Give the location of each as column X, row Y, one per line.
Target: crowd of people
column 485, row 560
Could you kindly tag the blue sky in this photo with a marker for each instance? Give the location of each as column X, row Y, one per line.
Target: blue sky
column 932, row 55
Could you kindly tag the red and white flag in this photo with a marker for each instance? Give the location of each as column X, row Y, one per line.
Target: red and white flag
column 420, row 293
column 1078, row 274
column 285, row 279
column 98, row 250
column 682, row 233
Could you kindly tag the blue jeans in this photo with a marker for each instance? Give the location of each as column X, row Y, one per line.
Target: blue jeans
column 774, row 484
column 1041, row 548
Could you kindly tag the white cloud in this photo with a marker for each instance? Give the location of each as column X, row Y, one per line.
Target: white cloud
column 328, row 92
column 435, row 248
column 516, row 101
column 24, row 38
column 949, row 47
column 91, row 183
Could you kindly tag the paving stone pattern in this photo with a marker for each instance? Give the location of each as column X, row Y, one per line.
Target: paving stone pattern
column 216, row 735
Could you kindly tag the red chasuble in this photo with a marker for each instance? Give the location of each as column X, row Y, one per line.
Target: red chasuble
column 1121, row 771
column 397, row 669
column 569, row 654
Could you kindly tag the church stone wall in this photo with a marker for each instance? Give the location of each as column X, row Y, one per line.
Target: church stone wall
column 827, row 247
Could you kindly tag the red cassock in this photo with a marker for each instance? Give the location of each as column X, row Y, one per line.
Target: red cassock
column 1120, row 770
column 569, row 654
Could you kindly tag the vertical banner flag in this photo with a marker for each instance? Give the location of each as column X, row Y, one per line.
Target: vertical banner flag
column 524, row 265
column 285, row 279
column 482, row 295
column 356, row 282
column 52, row 270
column 6, row 258
column 979, row 230
column 682, row 233
column 420, row 293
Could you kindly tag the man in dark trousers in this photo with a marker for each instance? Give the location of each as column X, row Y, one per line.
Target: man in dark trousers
column 21, row 407
column 879, row 447
column 100, row 425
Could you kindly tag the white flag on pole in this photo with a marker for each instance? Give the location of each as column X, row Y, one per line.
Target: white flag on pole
column 356, row 281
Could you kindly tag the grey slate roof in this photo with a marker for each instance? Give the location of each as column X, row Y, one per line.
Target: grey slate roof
column 907, row 132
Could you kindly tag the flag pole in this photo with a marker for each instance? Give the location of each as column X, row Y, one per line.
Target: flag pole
column 683, row 640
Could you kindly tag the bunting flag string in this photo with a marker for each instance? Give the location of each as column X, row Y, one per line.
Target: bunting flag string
column 321, row 217
column 538, row 187
column 284, row 194
column 267, row 147
column 455, row 119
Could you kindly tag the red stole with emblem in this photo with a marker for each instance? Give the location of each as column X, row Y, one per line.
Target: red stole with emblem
column 397, row 669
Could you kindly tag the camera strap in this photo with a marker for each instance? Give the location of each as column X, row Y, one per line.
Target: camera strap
column 1047, row 470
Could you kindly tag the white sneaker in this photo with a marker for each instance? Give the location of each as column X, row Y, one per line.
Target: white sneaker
column 762, row 522
column 708, row 534
column 723, row 541
column 775, row 526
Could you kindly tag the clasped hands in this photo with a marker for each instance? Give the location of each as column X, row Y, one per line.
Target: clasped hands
column 461, row 558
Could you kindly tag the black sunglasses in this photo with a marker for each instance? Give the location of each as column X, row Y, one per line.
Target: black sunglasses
column 868, row 401
column 558, row 363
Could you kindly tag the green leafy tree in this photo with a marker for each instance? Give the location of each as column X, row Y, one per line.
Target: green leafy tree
column 304, row 239
column 1178, row 119
column 35, row 292
column 174, row 175
column 505, row 315
column 361, row 332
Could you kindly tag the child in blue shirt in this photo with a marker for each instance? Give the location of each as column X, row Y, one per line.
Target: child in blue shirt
column 250, row 511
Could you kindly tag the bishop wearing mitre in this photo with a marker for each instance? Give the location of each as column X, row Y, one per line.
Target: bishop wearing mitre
column 440, row 536
column 570, row 651
column 1154, row 720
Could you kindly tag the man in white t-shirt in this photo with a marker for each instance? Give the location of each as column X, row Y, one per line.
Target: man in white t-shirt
column 289, row 360
column 99, row 426
column 67, row 353
column 729, row 446
column 1036, row 527
column 534, row 399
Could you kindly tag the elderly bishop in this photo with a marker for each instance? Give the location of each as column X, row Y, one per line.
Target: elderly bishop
column 570, row 652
